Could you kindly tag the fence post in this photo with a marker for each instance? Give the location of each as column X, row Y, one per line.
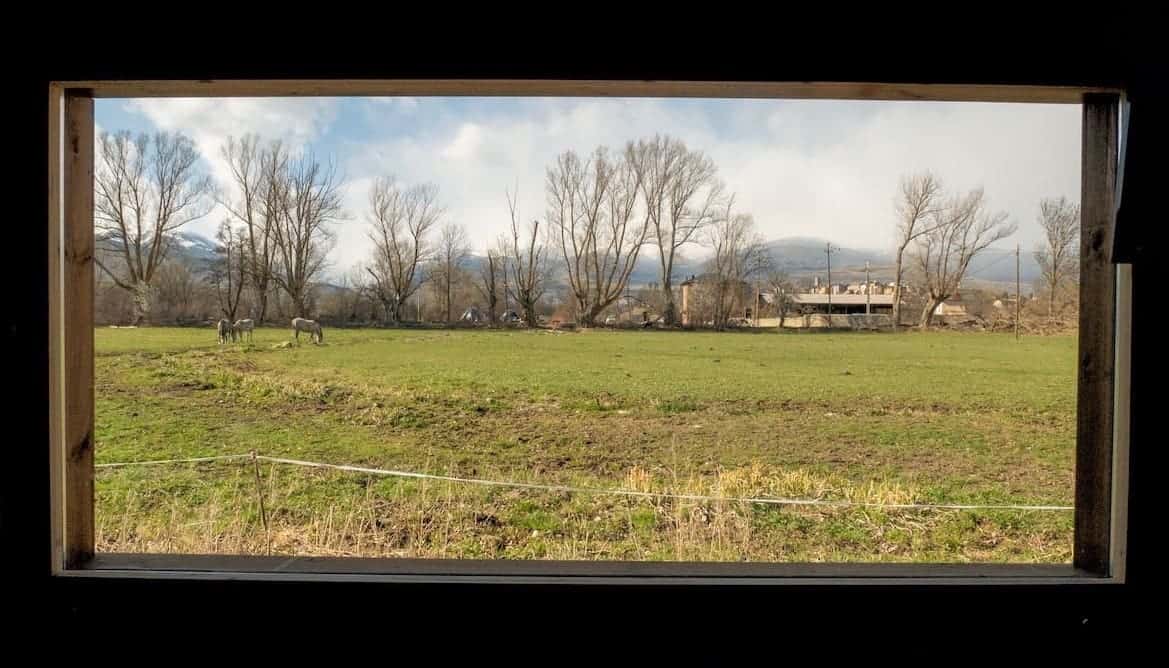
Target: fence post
column 263, row 511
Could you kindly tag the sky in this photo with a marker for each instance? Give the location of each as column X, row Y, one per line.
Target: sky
column 819, row 168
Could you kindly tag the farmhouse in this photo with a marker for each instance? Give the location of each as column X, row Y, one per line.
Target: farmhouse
column 699, row 296
column 953, row 305
column 808, row 302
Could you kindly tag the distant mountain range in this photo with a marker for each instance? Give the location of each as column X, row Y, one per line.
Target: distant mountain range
column 194, row 246
column 196, row 249
column 800, row 257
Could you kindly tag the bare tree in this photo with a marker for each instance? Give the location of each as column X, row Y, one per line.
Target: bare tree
column 526, row 262
column 353, row 292
column 381, row 292
column 175, row 288
column 957, row 231
column 681, row 195
column 229, row 269
column 782, row 288
column 309, row 201
column 591, row 206
column 739, row 254
column 400, row 224
column 489, row 273
column 145, row 189
column 917, row 201
column 1057, row 254
column 257, row 175
column 449, row 257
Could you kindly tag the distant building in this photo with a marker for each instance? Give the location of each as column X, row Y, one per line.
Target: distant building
column 953, row 305
column 842, row 303
column 472, row 315
column 872, row 287
column 696, row 309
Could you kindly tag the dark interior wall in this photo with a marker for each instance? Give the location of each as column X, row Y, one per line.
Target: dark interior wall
column 24, row 507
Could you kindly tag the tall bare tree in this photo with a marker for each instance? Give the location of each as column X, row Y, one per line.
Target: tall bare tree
column 591, row 212
column 175, row 288
column 682, row 196
column 230, row 267
column 957, row 231
column 309, row 202
column 739, row 255
column 449, row 257
column 526, row 262
column 780, row 285
column 918, row 200
column 257, row 175
column 401, row 220
column 145, row 189
column 488, row 284
column 381, row 291
column 1057, row 254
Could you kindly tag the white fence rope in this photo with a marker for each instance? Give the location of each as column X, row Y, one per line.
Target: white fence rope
column 588, row 490
column 153, row 462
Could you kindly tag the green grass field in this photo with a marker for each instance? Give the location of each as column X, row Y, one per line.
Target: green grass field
column 891, row 418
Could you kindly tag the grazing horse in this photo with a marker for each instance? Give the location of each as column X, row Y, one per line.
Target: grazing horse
column 225, row 330
column 311, row 326
column 246, row 325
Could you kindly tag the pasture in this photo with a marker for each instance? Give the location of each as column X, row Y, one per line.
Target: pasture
column 965, row 418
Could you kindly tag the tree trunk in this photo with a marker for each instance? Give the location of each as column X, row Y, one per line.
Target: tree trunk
column 668, row 313
column 897, row 289
column 927, row 314
column 262, row 301
column 394, row 311
column 141, row 295
column 448, row 301
column 298, row 305
column 589, row 318
column 529, row 309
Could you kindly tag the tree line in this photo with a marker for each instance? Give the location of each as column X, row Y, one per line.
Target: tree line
column 603, row 210
column 939, row 233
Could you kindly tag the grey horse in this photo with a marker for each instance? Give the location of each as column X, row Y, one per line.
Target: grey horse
column 246, row 325
column 225, row 330
column 311, row 326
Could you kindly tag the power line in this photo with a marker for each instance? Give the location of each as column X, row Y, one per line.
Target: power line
column 988, row 266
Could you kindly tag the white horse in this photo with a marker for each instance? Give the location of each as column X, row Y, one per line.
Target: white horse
column 225, row 330
column 246, row 325
column 311, row 326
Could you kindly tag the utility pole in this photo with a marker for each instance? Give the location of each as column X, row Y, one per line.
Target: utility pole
column 1018, row 296
column 755, row 311
column 506, row 301
column 868, row 287
column 828, row 252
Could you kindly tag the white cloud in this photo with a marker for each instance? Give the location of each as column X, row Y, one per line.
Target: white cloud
column 209, row 122
column 823, row 168
column 819, row 168
column 465, row 143
column 402, row 101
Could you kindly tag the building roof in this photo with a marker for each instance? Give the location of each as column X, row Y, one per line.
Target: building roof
column 842, row 299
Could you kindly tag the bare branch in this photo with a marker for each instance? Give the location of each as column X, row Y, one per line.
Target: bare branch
column 958, row 230
column 145, row 189
column 682, row 195
column 400, row 222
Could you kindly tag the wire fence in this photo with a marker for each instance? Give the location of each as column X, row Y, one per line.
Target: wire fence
column 590, row 490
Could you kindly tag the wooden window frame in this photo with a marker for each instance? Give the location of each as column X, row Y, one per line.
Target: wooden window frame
column 1101, row 475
